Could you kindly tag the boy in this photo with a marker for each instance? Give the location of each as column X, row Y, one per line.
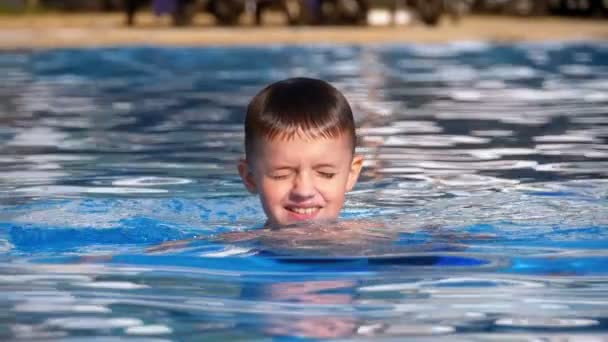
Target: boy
column 300, row 160
column 299, row 151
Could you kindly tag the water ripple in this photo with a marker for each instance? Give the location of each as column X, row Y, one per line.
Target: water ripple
column 482, row 207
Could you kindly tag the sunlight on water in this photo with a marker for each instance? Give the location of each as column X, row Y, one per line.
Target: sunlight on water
column 481, row 213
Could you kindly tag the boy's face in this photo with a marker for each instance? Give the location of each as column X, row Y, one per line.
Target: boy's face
column 301, row 179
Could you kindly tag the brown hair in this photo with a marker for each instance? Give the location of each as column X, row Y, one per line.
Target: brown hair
column 303, row 107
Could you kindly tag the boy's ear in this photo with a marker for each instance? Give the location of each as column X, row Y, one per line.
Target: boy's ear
column 247, row 176
column 355, row 170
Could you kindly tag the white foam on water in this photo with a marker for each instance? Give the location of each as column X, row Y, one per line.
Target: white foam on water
column 27, row 278
column 74, row 190
column 478, row 166
column 433, row 140
column 35, row 332
column 418, row 329
column 506, row 72
column 32, row 175
column 147, row 181
column 92, row 323
column 152, row 329
column 229, row 251
column 59, row 308
column 464, row 180
column 574, row 167
column 592, row 154
column 596, row 96
column 409, row 141
column 119, row 285
column 38, row 136
column 524, row 120
column 466, row 95
column 370, row 329
column 469, row 46
column 458, row 282
column 448, row 50
column 433, row 51
column 505, row 151
column 413, row 126
column 545, row 322
column 564, row 138
column 457, row 73
column 43, row 158
column 490, row 84
column 542, row 95
column 5, row 246
column 596, row 84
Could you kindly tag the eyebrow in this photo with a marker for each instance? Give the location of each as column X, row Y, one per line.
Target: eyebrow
column 280, row 167
column 319, row 166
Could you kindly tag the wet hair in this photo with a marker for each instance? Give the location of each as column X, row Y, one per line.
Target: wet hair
column 298, row 107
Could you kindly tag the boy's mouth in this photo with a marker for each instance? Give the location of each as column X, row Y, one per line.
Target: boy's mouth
column 301, row 213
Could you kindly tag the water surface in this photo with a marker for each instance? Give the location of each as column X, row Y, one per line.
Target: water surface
column 484, row 196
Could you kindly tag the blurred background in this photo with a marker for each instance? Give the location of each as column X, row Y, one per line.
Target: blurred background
column 76, row 23
column 310, row 12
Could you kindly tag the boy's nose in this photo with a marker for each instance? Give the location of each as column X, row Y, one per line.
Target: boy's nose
column 303, row 187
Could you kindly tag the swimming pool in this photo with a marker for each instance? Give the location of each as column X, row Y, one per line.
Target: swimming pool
column 486, row 164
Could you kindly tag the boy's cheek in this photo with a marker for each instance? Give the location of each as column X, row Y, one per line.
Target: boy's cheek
column 271, row 198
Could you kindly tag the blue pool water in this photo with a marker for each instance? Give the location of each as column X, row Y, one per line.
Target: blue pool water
column 482, row 211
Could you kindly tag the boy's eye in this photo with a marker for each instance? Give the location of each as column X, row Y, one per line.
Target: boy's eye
column 328, row 175
column 279, row 176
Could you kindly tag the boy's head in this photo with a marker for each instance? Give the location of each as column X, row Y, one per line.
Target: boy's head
column 299, row 144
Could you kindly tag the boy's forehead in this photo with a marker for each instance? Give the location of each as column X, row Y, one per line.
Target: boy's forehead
column 300, row 146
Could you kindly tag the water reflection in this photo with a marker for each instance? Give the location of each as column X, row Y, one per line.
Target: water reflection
column 312, row 293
